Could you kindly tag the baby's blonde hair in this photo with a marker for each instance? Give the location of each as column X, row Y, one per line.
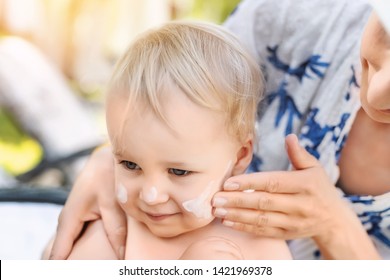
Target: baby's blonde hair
column 206, row 62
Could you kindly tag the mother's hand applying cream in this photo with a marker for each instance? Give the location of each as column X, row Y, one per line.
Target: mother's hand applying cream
column 294, row 204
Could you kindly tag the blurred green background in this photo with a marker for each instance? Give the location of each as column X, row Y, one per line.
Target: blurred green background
column 64, row 31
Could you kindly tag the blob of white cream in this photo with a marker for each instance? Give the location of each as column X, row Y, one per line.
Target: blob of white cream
column 121, row 193
column 150, row 195
column 200, row 206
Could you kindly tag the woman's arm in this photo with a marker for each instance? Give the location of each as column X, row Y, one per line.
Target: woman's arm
column 92, row 198
column 295, row 204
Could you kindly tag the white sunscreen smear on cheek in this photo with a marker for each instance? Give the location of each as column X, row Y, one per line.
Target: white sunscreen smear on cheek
column 201, row 206
column 121, row 194
column 150, row 195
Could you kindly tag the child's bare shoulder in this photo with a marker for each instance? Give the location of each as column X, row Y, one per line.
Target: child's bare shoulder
column 255, row 247
column 93, row 244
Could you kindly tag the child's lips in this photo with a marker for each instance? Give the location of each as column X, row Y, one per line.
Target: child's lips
column 386, row 111
column 159, row 216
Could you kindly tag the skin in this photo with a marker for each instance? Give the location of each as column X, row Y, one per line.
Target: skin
column 163, row 167
column 283, row 202
column 375, row 84
column 373, row 161
column 158, row 170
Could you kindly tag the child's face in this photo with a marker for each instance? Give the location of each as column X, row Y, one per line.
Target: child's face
column 166, row 177
column 375, row 56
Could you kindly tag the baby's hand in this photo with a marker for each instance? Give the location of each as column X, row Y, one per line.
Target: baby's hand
column 213, row 248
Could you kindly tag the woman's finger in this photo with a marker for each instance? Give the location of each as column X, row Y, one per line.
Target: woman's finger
column 271, row 232
column 287, row 182
column 258, row 200
column 256, row 218
column 71, row 221
column 115, row 225
column 279, row 181
column 299, row 157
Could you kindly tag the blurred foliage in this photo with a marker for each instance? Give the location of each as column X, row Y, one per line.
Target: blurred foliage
column 213, row 10
column 19, row 153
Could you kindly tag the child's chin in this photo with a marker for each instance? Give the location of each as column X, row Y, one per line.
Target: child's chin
column 165, row 233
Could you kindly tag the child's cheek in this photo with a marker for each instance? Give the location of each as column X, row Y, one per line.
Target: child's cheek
column 200, row 206
column 121, row 193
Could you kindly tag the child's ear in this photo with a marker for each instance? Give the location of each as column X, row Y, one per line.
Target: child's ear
column 244, row 157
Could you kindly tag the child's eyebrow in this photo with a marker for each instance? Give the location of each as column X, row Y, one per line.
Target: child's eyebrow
column 117, row 152
column 177, row 164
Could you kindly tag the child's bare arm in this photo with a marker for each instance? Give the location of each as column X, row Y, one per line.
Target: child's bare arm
column 93, row 244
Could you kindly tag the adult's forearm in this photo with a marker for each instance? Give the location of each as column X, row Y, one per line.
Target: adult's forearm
column 348, row 241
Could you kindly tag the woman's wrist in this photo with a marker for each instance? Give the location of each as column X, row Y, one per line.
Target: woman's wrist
column 346, row 239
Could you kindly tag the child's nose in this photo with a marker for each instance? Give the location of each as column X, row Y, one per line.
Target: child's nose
column 379, row 88
column 153, row 195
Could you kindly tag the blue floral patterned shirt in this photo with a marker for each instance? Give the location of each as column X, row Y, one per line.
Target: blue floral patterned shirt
column 309, row 52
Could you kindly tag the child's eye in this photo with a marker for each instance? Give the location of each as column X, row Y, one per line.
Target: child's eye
column 130, row 165
column 179, row 172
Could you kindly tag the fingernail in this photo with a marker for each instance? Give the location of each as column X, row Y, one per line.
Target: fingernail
column 122, row 252
column 220, row 212
column 219, row 201
column 227, row 223
column 231, row 186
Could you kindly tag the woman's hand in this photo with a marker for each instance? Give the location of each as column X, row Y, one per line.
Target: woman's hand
column 294, row 204
column 92, row 197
